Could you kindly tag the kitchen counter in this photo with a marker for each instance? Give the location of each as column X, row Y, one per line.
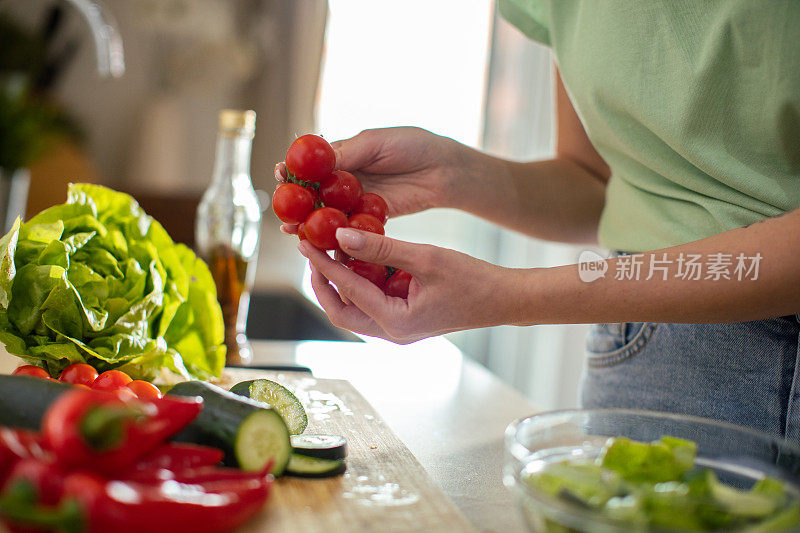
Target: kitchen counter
column 448, row 410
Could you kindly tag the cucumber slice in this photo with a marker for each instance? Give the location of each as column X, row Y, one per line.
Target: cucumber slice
column 279, row 397
column 250, row 433
column 329, row 447
column 742, row 503
column 302, row 466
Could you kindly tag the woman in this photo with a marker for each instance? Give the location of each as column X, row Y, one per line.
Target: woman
column 679, row 141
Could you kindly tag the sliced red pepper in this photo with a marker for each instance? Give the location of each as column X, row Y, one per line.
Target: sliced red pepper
column 44, row 476
column 200, row 474
column 98, row 431
column 16, row 444
column 169, row 506
column 173, row 457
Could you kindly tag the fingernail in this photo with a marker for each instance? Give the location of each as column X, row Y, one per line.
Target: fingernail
column 302, row 248
column 350, row 239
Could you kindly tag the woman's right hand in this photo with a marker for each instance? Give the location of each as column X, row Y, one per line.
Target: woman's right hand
column 411, row 168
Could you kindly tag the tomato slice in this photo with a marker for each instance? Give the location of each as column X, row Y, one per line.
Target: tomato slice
column 321, row 225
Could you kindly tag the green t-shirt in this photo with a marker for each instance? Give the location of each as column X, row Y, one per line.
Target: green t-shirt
column 695, row 106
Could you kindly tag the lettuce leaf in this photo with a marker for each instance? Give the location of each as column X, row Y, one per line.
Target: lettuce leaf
column 96, row 280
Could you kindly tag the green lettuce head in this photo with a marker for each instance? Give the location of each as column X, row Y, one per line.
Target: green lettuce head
column 96, row 280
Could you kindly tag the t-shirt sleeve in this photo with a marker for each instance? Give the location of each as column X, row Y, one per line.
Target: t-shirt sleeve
column 531, row 17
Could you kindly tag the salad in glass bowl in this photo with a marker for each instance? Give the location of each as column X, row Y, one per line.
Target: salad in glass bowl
column 627, row 470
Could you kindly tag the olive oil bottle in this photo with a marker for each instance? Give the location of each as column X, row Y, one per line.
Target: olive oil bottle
column 228, row 228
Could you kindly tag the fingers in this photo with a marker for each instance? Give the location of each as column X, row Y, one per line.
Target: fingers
column 359, row 151
column 342, row 315
column 280, row 172
column 361, row 292
column 374, row 248
column 289, row 229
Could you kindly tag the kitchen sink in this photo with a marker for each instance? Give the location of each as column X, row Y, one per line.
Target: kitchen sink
column 288, row 315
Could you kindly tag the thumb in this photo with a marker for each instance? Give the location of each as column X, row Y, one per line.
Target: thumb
column 376, row 248
column 357, row 152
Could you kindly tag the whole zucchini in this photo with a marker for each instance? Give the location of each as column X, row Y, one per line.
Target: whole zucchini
column 251, row 433
column 24, row 400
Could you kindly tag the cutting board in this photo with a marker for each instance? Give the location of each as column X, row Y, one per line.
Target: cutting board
column 384, row 489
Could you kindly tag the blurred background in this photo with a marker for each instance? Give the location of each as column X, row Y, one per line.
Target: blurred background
column 126, row 93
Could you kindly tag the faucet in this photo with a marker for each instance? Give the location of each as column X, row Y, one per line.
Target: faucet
column 107, row 40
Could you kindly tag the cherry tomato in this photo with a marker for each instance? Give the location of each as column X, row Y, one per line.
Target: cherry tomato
column 292, row 203
column 310, row 158
column 397, row 284
column 374, row 205
column 314, row 193
column 31, row 370
column 321, row 226
column 301, row 231
column 111, row 380
column 341, row 190
column 79, row 374
column 144, row 390
column 371, row 271
column 365, row 222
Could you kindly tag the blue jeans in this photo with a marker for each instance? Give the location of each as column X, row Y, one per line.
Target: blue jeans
column 747, row 373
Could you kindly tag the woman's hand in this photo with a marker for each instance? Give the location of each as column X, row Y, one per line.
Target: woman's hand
column 411, row 168
column 450, row 291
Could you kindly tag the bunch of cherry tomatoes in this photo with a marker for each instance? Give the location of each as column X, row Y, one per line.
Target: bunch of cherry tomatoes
column 85, row 375
column 320, row 200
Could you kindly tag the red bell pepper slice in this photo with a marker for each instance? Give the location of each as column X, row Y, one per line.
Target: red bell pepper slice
column 166, row 507
column 45, row 478
column 99, row 431
column 16, row 444
column 173, row 457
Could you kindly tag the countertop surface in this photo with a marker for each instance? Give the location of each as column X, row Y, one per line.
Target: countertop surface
column 449, row 411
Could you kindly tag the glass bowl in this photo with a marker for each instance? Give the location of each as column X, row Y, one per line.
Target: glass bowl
column 738, row 456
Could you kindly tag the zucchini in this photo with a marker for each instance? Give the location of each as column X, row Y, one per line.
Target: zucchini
column 320, row 446
column 279, row 397
column 24, row 400
column 250, row 433
column 303, row 466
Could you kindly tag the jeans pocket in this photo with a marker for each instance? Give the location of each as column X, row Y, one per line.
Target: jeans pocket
column 611, row 344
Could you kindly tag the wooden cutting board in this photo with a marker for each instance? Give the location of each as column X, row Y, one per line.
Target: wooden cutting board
column 384, row 489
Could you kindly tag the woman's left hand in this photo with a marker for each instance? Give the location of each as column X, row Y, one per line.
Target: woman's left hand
column 450, row 291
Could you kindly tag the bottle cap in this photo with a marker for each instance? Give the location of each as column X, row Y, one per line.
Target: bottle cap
column 237, row 122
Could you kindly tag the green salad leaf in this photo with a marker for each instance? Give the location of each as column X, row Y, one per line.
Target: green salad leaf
column 657, row 485
column 97, row 280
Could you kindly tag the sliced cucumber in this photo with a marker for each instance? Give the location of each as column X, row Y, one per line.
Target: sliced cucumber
column 279, row 397
column 250, row 433
column 302, row 466
column 329, row 447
